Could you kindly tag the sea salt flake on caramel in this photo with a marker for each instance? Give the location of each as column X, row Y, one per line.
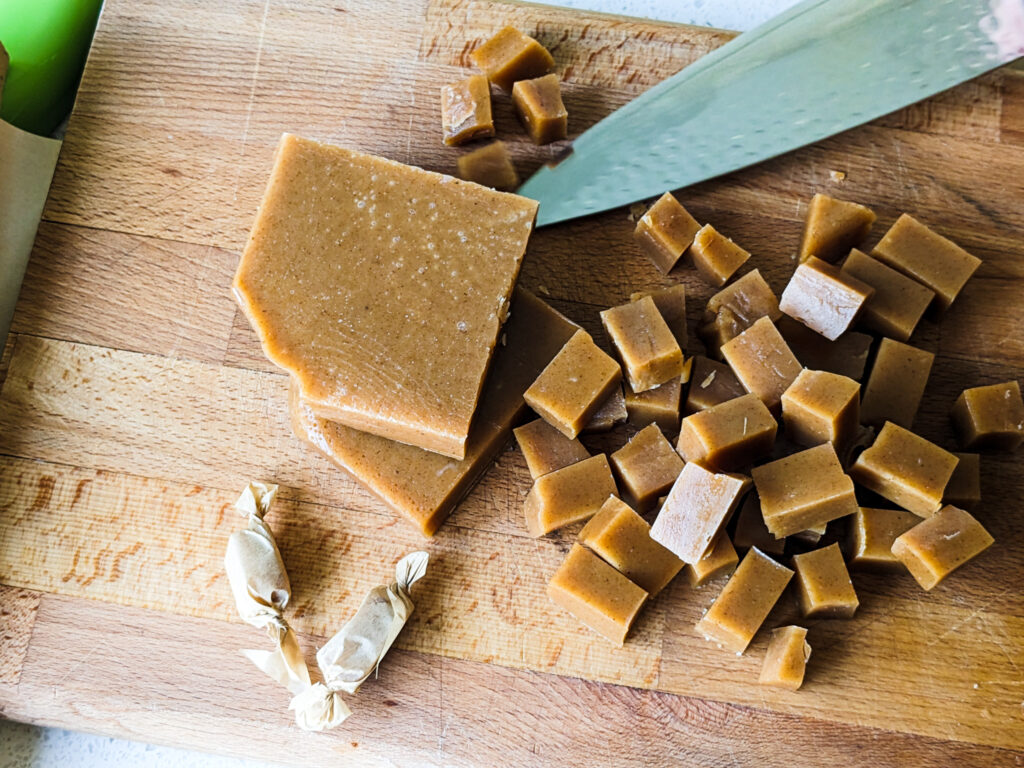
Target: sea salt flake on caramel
column 990, row 418
column 646, row 467
column 763, row 362
column 568, row 495
column 896, row 384
column 643, row 341
column 466, row 110
column 936, row 547
column 785, row 662
column 510, row 56
column 545, row 449
column 824, row 298
column 665, row 232
column 823, row 585
column 833, row 227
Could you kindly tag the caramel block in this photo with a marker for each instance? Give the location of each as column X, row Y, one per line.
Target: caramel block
column 622, row 538
column 720, row 559
column 751, row 530
column 745, row 602
column 905, row 469
column 823, row 584
column 400, row 261
column 423, row 486
column 696, row 509
column 644, row 343
column 574, row 385
column 490, row 165
column 715, row 256
column 822, row 407
column 763, row 362
column 896, row 384
column 655, row 406
column 466, row 110
column 804, row 490
column 546, row 449
column 612, row 411
column 964, row 487
column 671, row 303
column 833, row 227
column 824, row 298
column 936, row 547
column 735, row 308
column 898, row 303
column 568, row 495
column 711, row 383
column 596, row 594
column 990, row 418
column 729, row 435
column 847, row 355
column 665, row 232
column 933, row 260
column 786, row 659
column 646, row 466
column 510, row 56
column 538, row 104
column 871, row 536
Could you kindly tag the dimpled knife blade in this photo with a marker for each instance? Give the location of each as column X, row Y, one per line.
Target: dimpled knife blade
column 817, row 69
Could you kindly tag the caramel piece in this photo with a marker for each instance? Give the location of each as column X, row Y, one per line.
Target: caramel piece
column 510, row 56
column 905, row 469
column 833, row 227
column 751, row 530
column 936, row 547
column 716, row 256
column 990, row 418
column 596, row 594
column 400, row 261
column 897, row 304
column 671, row 304
column 896, row 384
column 696, row 509
column 720, row 559
column 490, row 165
column 745, row 602
column 735, row 308
column 804, row 490
column 729, row 435
column 871, row 536
column 568, row 495
column 824, row 298
column 655, row 406
column 574, row 385
column 711, row 383
column 823, row 584
column 646, row 466
column 546, row 449
column 847, row 355
column 812, row 535
column 822, row 407
column 786, row 659
column 763, row 362
column 622, row 538
column 665, row 232
column 964, row 487
column 466, row 110
column 933, row 260
column 423, row 486
column 643, row 341
column 612, row 411
column 538, row 104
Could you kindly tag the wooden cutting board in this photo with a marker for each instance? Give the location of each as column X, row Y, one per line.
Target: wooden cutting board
column 135, row 404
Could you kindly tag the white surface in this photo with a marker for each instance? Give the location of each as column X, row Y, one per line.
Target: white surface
column 24, row 746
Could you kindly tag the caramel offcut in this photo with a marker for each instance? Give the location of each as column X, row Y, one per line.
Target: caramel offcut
column 665, row 232
column 510, row 56
column 833, row 227
column 466, row 110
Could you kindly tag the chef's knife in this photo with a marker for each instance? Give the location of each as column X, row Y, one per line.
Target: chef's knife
column 817, row 69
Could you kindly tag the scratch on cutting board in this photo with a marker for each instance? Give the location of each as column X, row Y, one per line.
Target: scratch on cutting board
column 252, row 93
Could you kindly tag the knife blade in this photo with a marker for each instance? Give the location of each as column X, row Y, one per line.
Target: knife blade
column 819, row 68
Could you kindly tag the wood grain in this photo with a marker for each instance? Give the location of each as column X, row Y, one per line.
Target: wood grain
column 17, row 618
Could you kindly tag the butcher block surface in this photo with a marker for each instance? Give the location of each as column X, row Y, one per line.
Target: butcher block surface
column 136, row 403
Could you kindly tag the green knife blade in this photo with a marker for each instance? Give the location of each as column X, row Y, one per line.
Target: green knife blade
column 820, row 68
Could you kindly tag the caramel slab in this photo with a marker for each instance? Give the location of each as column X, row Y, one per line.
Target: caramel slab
column 990, row 418
column 489, row 165
column 729, row 435
column 763, row 362
column 711, row 383
column 823, row 585
column 872, row 533
column 644, row 343
column 715, row 256
column 568, row 495
column 785, row 662
column 646, row 467
column 665, row 232
column 936, row 547
column 822, row 407
column 545, row 449
column 833, row 227
column 466, row 110
column 896, row 384
column 824, row 298
column 898, row 302
column 510, row 56
column 539, row 105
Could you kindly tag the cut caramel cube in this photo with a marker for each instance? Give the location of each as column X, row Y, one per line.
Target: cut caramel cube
column 745, row 602
column 490, row 165
column 847, row 355
column 729, row 435
column 546, row 449
column 665, row 232
column 643, row 341
column 763, row 362
column 936, row 547
column 833, row 227
column 574, row 385
column 896, row 384
column 964, row 487
column 622, row 538
column 751, row 530
column 715, row 256
column 822, row 407
column 933, row 260
column 539, row 105
column 671, row 303
column 646, row 466
column 568, row 495
column 804, row 490
column 711, row 383
column 612, row 411
column 823, row 585
column 466, row 110
column 720, row 559
column 824, row 298
column 898, row 303
column 655, row 406
column 696, row 509
column 905, row 469
column 872, row 534
column 510, row 56
column 596, row 594
column 735, row 308
column 990, row 418
column 786, row 659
